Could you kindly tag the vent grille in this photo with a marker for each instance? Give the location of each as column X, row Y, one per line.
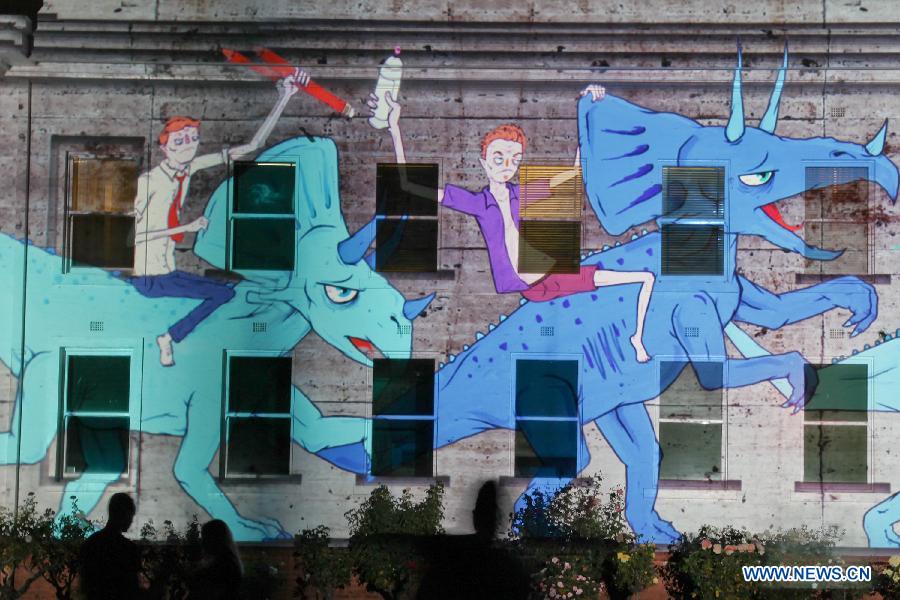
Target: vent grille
column 836, row 334
column 547, row 331
column 405, row 329
column 692, row 332
column 838, row 111
column 259, row 326
column 96, row 326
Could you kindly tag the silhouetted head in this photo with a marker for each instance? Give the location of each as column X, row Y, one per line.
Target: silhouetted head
column 217, row 542
column 485, row 514
column 121, row 511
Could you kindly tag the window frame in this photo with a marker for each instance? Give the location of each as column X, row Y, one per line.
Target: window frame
column 371, row 417
column 518, row 357
column 68, row 211
column 234, row 216
column 134, row 377
column 226, row 414
column 723, row 478
column 868, row 424
column 727, row 259
column 436, row 218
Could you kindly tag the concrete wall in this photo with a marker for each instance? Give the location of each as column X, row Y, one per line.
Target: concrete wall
column 118, row 70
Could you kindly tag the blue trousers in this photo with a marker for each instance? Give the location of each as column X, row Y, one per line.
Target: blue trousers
column 179, row 284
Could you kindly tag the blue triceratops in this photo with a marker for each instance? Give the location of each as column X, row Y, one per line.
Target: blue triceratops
column 332, row 291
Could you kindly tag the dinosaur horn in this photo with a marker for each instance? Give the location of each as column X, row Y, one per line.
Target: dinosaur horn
column 412, row 308
column 770, row 119
column 353, row 249
column 735, row 128
column 876, row 146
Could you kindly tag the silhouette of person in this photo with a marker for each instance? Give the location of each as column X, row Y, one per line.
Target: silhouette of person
column 111, row 563
column 470, row 567
column 220, row 572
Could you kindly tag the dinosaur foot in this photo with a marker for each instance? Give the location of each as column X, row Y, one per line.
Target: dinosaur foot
column 166, row 354
column 654, row 529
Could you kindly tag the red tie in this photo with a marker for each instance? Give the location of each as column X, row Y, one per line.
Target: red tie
column 175, row 208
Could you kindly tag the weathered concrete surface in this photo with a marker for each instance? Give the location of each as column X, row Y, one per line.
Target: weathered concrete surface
column 102, row 84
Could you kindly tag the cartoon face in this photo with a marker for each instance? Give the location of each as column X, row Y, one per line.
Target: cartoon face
column 181, row 146
column 502, row 162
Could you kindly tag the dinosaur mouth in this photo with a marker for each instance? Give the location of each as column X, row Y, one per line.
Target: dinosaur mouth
column 773, row 213
column 366, row 347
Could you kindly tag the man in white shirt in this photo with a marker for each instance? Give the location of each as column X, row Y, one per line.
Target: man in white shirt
column 161, row 193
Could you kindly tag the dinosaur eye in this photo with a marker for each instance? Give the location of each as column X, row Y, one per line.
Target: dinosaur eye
column 340, row 295
column 754, row 179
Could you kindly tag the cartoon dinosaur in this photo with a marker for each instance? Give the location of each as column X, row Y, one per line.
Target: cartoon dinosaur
column 622, row 147
column 332, row 291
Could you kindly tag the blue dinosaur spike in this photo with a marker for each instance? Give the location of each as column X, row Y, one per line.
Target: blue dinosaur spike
column 605, row 247
column 522, row 301
column 876, row 146
column 354, row 248
column 634, row 236
column 441, row 365
column 452, row 357
column 735, row 129
column 770, row 119
column 834, row 361
column 888, row 336
column 643, row 232
column 465, row 346
column 412, row 308
column 502, row 318
column 867, row 347
column 897, row 333
column 855, row 352
column 492, row 327
column 618, row 244
column 583, row 256
column 478, row 335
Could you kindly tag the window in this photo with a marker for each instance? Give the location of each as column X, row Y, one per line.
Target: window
column 99, row 222
column 546, row 418
column 263, row 222
column 406, row 217
column 403, row 417
column 837, row 213
column 550, row 219
column 690, row 422
column 96, row 419
column 258, row 416
column 835, row 432
column 693, row 221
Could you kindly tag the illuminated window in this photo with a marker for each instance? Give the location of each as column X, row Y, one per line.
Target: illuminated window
column 550, row 203
column 693, row 221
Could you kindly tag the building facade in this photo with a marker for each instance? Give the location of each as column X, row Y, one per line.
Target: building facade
column 228, row 298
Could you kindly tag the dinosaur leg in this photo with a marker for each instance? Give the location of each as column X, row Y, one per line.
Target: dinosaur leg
column 879, row 523
column 198, row 447
column 341, row 441
column 630, row 433
column 35, row 414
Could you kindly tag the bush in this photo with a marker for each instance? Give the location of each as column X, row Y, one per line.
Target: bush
column 22, row 532
column 323, row 569
column 59, row 552
column 383, row 551
column 887, row 581
column 169, row 556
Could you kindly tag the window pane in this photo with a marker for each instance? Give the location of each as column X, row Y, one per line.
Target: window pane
column 840, row 193
column 96, row 444
column 547, row 388
column 402, row 448
column 690, row 451
column 842, row 394
column 259, row 446
column 546, row 448
column 853, row 238
column 403, row 387
column 549, row 246
column 102, row 240
column 696, row 192
column 404, row 245
column 408, row 189
column 537, row 200
column 105, row 185
column 264, row 244
column 693, row 249
column 98, row 384
column 685, row 398
column 835, row 453
column 259, row 384
column 264, row 188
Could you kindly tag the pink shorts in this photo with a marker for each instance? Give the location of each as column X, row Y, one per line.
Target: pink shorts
column 557, row 285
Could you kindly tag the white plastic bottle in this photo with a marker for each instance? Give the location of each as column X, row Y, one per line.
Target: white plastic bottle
column 388, row 81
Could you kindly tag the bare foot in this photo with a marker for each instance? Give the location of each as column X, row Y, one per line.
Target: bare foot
column 642, row 355
column 164, row 342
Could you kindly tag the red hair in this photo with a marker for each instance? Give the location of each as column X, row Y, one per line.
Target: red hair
column 510, row 132
column 176, row 124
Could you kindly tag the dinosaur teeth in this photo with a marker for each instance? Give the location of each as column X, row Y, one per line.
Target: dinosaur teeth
column 605, row 247
column 618, row 244
column 465, row 347
column 452, row 357
column 491, row 327
column 643, row 232
column 441, row 366
column 634, row 236
column 478, row 335
column 522, row 301
column 502, row 318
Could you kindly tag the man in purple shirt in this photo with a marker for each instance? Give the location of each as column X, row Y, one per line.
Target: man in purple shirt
column 496, row 209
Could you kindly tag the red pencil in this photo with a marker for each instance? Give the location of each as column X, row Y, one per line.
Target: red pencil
column 278, row 68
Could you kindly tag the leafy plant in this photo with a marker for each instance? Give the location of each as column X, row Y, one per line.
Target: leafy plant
column 167, row 557
column 22, row 532
column 630, row 570
column 261, row 580
column 60, row 548
column 323, row 568
column 566, row 577
column 383, row 551
column 887, row 581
